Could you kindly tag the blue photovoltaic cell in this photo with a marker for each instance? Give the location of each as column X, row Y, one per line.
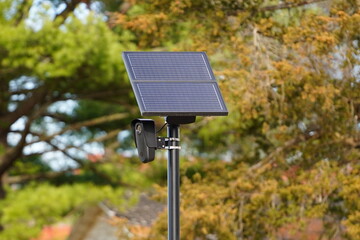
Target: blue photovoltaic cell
column 174, row 84
column 180, row 97
column 185, row 73
column 183, row 66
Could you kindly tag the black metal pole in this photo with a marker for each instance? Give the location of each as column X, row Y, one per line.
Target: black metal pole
column 173, row 181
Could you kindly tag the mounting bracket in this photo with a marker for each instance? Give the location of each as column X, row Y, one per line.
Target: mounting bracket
column 167, row 143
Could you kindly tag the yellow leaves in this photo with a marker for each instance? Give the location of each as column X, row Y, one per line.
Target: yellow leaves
column 145, row 23
column 199, row 222
column 351, row 193
column 197, row 177
column 326, row 38
column 119, row 19
column 352, row 224
column 265, row 128
column 319, row 35
column 316, row 34
column 235, row 21
column 241, row 186
column 250, row 202
column 220, row 14
column 322, row 95
column 178, row 7
column 287, row 72
column 150, row 28
column 299, row 86
column 130, row 230
column 324, row 19
column 349, row 26
column 343, row 16
column 265, row 25
column 269, row 187
column 280, row 90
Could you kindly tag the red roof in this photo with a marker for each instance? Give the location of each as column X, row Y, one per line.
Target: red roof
column 55, row 232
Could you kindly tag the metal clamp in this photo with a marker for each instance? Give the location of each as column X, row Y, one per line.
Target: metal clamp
column 172, row 139
column 165, row 143
column 172, row 147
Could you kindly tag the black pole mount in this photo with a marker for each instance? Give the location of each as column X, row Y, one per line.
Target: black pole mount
column 167, row 143
column 179, row 120
column 146, row 143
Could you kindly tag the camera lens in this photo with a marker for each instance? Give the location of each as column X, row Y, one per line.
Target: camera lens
column 138, row 128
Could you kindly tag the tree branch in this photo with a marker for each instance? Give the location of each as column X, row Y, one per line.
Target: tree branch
column 108, row 136
column 100, row 95
column 90, row 165
column 23, row 11
column 288, row 5
column 79, row 125
column 38, row 176
column 47, row 151
column 22, row 91
column 12, row 154
column 270, row 159
column 25, row 108
column 70, row 7
column 59, row 117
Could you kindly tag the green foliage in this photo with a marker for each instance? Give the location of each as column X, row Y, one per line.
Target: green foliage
column 90, row 109
column 45, row 63
column 129, row 172
column 67, row 52
column 31, row 165
column 25, row 211
column 55, row 60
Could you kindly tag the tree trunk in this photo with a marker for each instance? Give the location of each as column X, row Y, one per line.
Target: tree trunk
column 2, row 196
column 3, row 147
column 2, row 190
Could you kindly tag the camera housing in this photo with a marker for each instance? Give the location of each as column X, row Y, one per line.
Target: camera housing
column 145, row 138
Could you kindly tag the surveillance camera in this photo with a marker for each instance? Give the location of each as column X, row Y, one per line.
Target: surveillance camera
column 145, row 139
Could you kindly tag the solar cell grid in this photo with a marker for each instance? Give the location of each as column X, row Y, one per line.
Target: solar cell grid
column 179, row 96
column 176, row 66
column 174, row 84
column 165, row 59
column 175, row 73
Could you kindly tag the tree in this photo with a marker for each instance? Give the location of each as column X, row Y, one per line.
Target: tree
column 25, row 212
column 62, row 89
column 289, row 71
column 51, row 55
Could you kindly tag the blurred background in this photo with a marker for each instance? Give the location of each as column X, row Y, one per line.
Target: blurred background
column 283, row 165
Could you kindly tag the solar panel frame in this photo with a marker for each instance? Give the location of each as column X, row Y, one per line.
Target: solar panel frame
column 174, row 84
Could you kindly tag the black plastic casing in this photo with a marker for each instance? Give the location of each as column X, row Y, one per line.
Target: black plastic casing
column 145, row 138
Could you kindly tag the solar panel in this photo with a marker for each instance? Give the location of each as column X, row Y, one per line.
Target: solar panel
column 174, row 84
